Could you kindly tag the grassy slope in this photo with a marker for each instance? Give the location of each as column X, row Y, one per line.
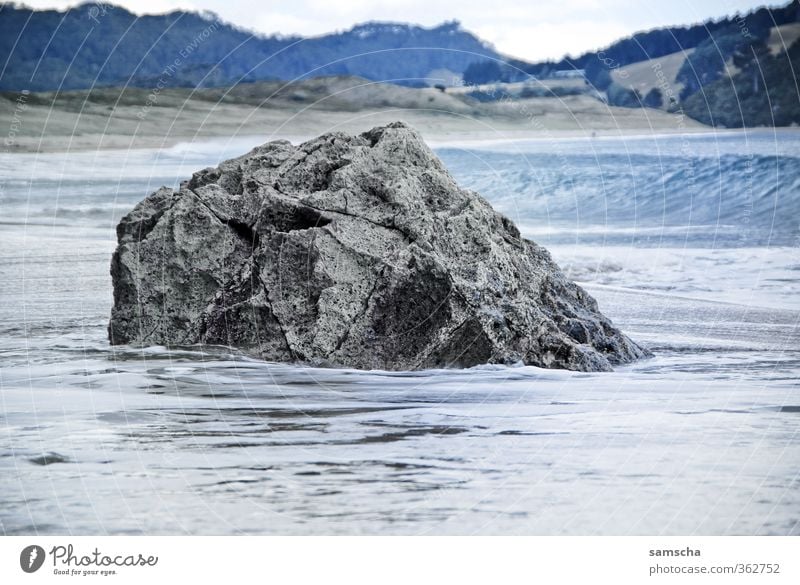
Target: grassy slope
column 643, row 76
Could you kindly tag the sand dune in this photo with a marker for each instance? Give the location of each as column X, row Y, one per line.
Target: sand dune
column 137, row 118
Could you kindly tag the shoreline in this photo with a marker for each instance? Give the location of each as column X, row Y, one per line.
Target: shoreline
column 452, row 138
column 117, row 119
column 62, row 144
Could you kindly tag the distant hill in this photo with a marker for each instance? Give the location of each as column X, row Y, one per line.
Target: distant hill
column 103, row 45
column 734, row 81
column 762, row 90
column 735, row 71
column 708, row 71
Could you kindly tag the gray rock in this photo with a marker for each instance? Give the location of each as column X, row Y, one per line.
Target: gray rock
column 353, row 251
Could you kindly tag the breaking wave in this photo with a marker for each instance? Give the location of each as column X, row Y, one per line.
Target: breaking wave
column 708, row 190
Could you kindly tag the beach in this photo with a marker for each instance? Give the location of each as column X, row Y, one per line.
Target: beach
column 112, row 118
column 686, row 241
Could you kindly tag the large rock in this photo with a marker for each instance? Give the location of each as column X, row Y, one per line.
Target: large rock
column 355, row 251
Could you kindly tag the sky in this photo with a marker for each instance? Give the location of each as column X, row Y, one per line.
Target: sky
column 530, row 29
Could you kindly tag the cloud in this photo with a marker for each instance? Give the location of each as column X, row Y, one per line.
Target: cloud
column 552, row 40
column 530, row 30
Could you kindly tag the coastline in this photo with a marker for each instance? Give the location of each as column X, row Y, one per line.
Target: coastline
column 117, row 119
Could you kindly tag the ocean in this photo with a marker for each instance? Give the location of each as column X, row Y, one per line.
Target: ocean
column 691, row 245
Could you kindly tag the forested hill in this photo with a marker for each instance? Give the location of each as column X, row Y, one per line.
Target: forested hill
column 736, row 71
column 739, row 71
column 102, row 45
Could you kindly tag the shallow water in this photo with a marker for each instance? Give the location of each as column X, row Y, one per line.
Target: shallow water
column 703, row 438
